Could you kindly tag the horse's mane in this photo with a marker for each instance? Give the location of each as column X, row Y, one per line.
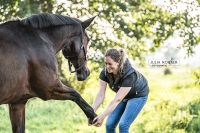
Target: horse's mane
column 44, row 20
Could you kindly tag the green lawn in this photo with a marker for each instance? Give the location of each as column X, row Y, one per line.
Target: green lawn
column 173, row 107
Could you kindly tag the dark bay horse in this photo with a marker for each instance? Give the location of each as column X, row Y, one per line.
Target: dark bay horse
column 28, row 66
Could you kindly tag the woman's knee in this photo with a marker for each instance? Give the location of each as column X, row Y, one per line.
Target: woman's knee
column 110, row 124
column 123, row 127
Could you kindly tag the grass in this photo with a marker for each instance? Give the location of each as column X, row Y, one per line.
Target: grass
column 167, row 110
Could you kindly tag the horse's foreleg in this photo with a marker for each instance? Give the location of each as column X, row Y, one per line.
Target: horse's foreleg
column 66, row 93
column 17, row 117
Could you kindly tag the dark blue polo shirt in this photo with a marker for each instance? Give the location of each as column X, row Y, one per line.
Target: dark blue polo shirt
column 129, row 77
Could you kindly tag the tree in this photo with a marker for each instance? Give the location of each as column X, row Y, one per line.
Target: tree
column 120, row 23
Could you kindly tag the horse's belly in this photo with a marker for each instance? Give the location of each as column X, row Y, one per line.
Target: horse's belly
column 6, row 98
column 15, row 94
column 15, row 98
column 13, row 83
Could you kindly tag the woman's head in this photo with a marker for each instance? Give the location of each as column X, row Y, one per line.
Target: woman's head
column 114, row 60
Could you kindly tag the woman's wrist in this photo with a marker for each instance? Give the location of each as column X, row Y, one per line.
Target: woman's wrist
column 103, row 115
column 93, row 107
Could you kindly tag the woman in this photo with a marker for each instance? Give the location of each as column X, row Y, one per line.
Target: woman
column 131, row 89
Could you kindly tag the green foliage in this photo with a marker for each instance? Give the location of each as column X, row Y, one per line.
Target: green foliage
column 194, row 109
column 129, row 22
column 196, row 74
column 167, row 71
column 173, row 104
column 168, row 109
column 10, row 9
column 119, row 23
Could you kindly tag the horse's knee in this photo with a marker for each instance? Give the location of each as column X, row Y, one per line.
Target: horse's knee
column 75, row 96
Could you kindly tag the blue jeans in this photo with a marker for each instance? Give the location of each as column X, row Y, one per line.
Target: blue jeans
column 124, row 114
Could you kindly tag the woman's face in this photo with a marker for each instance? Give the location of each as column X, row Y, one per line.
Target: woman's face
column 111, row 65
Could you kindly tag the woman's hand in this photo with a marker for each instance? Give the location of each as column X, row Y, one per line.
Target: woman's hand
column 98, row 120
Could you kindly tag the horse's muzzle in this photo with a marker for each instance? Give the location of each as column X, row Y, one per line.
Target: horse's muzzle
column 82, row 74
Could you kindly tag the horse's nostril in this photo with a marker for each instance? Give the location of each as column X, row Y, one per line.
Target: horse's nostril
column 82, row 76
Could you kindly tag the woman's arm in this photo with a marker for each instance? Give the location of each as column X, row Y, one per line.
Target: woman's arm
column 100, row 96
column 122, row 92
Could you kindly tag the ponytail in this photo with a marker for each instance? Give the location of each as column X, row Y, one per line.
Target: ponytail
column 122, row 59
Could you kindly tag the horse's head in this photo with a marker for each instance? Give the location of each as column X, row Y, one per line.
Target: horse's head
column 76, row 52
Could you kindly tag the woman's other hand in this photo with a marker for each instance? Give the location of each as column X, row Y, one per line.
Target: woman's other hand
column 98, row 121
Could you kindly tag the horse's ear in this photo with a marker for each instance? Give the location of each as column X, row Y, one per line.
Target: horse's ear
column 87, row 22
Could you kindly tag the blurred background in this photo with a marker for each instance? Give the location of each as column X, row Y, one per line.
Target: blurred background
column 153, row 33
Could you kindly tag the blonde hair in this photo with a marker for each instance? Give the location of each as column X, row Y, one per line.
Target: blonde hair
column 118, row 55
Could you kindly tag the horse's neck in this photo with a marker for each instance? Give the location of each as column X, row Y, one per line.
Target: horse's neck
column 54, row 37
column 58, row 36
column 47, row 39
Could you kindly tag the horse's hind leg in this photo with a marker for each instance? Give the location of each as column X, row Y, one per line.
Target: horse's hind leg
column 17, row 117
